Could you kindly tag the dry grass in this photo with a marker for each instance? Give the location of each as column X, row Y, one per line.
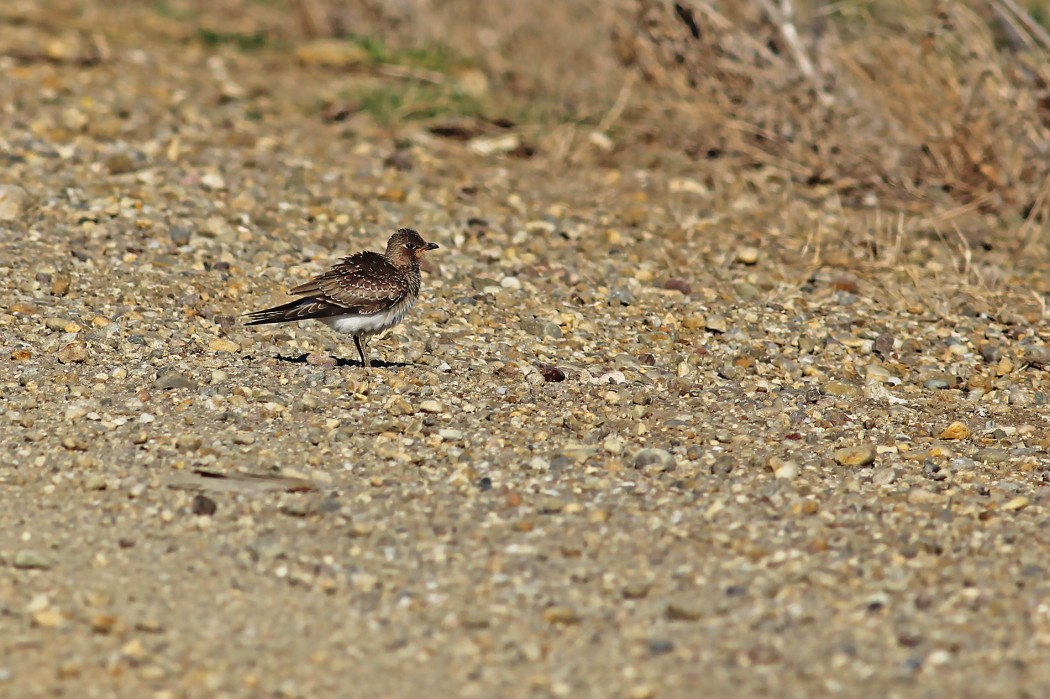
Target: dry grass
column 927, row 108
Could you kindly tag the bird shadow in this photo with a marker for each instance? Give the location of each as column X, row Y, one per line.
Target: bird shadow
column 340, row 361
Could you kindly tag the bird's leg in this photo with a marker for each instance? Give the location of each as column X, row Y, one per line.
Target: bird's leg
column 361, row 351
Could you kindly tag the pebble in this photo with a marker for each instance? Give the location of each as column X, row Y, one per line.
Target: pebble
column 747, row 255
column 990, row 352
column 203, row 505
column 432, row 406
column 221, row 344
column 551, row 374
column 922, row 496
column 28, row 559
column 512, row 283
column 787, row 470
column 188, row 441
column 541, row 328
column 174, row 379
column 694, row 321
column 842, row 389
column 1018, row 503
column 73, row 353
column 716, row 324
column 956, row 430
column 561, row 616
column 684, row 610
column 860, row 455
column 653, row 459
column 180, row 235
column 397, row 406
column 12, row 202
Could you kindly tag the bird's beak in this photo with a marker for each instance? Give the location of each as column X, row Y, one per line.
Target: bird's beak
column 431, row 246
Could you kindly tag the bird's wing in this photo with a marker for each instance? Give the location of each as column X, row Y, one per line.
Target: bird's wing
column 363, row 283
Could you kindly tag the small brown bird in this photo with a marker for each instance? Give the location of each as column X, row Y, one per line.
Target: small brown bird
column 365, row 294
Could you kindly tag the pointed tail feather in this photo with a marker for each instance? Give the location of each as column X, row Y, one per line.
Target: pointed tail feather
column 300, row 309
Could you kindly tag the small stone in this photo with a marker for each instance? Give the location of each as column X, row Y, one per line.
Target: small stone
column 221, row 344
column 694, row 321
column 1037, row 356
column 684, row 610
column 494, row 145
column 788, row 471
column 922, row 496
column 364, row 582
column 188, row 442
column 213, row 181
column 653, row 459
column 939, row 383
column 203, row 505
column 173, row 379
column 990, row 352
column 321, row 360
column 104, row 623
column 956, row 430
column 551, row 374
column 636, row 590
column 28, row 559
column 60, row 285
column 179, row 235
column 747, row 255
column 883, row 345
column 1018, row 503
column 512, row 283
column 678, row 285
column 12, row 202
column 620, row 296
column 432, row 406
column 841, row 389
column 860, row 455
column 538, row 327
column 884, row 477
column 48, row 618
column 716, row 324
column 398, row 406
column 561, row 616
column 73, row 353
column 74, row 444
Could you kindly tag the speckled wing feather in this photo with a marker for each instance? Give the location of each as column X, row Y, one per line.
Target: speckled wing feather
column 364, row 283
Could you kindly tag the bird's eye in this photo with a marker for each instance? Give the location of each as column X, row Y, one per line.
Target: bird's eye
column 410, row 246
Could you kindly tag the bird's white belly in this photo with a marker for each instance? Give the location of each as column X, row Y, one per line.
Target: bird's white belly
column 365, row 324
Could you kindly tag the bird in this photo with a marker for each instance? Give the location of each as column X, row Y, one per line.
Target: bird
column 362, row 295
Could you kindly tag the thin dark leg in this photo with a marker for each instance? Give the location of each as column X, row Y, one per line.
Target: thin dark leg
column 361, row 351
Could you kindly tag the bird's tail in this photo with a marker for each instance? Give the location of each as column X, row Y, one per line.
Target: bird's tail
column 299, row 309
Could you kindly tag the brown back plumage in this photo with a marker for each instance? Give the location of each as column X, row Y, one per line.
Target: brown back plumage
column 362, row 284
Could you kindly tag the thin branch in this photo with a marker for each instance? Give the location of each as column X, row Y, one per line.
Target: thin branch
column 784, row 18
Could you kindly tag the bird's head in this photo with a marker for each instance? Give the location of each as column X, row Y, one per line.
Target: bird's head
column 406, row 247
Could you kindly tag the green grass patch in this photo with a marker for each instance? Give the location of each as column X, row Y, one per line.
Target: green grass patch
column 392, row 103
column 437, row 57
column 252, row 41
column 166, row 9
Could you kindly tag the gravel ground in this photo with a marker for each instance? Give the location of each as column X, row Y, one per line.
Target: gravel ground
column 647, row 430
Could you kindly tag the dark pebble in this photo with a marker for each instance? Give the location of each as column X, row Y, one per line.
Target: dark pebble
column 883, row 345
column 203, row 505
column 660, row 646
column 552, row 374
column 678, row 285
